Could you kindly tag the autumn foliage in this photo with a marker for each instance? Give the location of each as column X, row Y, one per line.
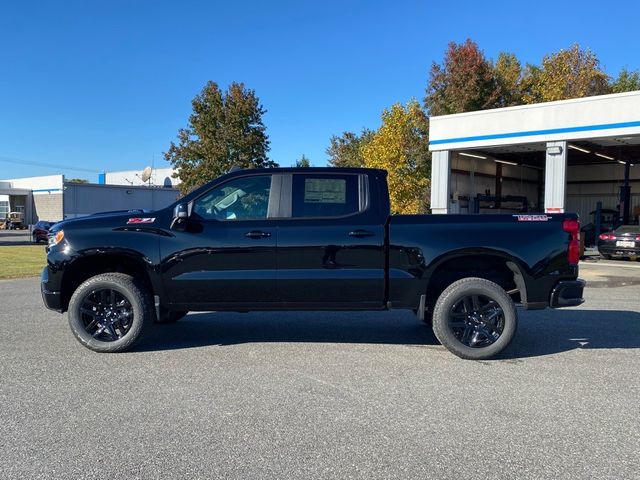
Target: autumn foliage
column 401, row 147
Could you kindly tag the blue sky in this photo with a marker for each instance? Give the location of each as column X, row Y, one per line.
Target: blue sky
column 106, row 84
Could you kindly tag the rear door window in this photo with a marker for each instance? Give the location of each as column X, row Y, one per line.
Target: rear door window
column 316, row 195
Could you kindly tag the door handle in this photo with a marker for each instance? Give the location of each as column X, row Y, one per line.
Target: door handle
column 361, row 233
column 257, row 234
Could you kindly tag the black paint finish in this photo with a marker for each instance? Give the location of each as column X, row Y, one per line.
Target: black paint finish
column 364, row 260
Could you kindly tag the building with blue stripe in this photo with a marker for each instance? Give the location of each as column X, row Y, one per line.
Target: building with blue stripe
column 550, row 157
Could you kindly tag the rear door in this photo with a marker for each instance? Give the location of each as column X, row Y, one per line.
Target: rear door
column 330, row 243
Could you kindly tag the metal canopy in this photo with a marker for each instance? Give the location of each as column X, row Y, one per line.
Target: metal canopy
column 583, row 152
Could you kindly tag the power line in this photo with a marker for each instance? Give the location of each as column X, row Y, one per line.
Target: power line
column 55, row 166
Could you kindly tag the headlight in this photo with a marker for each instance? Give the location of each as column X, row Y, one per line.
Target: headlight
column 56, row 238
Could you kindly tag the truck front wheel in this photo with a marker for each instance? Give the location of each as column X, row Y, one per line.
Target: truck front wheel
column 108, row 312
column 475, row 318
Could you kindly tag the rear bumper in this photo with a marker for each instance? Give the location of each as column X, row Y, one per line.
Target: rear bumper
column 567, row 294
column 51, row 298
column 613, row 250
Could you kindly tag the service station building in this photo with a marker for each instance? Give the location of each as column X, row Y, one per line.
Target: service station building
column 555, row 157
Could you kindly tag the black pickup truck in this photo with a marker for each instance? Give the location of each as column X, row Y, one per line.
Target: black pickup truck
column 308, row 239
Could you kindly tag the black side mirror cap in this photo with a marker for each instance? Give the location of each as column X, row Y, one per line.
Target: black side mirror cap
column 180, row 216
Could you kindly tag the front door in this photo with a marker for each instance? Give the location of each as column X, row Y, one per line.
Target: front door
column 330, row 249
column 227, row 255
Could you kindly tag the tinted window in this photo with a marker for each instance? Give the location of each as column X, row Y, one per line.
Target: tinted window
column 245, row 198
column 325, row 195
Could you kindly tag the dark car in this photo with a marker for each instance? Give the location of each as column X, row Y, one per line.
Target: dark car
column 40, row 231
column 623, row 241
column 609, row 220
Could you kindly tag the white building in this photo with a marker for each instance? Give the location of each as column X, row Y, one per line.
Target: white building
column 52, row 198
column 563, row 156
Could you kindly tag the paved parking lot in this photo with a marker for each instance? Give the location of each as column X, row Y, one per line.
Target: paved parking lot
column 325, row 395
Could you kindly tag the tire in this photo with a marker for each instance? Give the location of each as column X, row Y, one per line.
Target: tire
column 607, row 257
column 167, row 316
column 487, row 328
column 109, row 312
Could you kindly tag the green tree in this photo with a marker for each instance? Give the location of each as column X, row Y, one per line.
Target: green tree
column 401, row 147
column 345, row 150
column 571, row 73
column 464, row 82
column 302, row 162
column 508, row 75
column 77, row 180
column 626, row 81
column 225, row 129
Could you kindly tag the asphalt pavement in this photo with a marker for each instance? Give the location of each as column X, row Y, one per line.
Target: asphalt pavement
column 15, row 237
column 325, row 395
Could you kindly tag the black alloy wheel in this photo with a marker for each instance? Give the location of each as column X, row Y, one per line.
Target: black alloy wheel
column 110, row 312
column 475, row 318
column 107, row 315
column 477, row 321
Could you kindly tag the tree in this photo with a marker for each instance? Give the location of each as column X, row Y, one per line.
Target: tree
column 302, row 162
column 508, row 77
column 77, row 180
column 626, row 81
column 225, row 129
column 401, row 147
column 571, row 73
column 464, row 81
column 345, row 150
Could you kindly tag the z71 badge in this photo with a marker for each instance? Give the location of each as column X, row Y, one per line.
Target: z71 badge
column 137, row 220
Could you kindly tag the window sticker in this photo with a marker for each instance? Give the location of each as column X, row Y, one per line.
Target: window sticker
column 325, row 190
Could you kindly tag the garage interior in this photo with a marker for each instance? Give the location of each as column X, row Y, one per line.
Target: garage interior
column 578, row 156
column 511, row 179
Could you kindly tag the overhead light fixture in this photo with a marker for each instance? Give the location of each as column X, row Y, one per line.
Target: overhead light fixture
column 575, row 147
column 504, row 161
column 554, row 150
column 472, row 155
column 621, row 162
column 602, row 155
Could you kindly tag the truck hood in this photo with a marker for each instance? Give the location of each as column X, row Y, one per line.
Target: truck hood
column 113, row 218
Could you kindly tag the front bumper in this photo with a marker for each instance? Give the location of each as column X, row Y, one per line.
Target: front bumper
column 51, row 298
column 567, row 293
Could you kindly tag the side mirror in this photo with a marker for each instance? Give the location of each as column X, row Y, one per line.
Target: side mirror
column 180, row 216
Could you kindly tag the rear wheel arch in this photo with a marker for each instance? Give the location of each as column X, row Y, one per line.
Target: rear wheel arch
column 498, row 267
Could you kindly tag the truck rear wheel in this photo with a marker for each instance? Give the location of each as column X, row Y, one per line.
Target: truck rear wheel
column 475, row 318
column 108, row 312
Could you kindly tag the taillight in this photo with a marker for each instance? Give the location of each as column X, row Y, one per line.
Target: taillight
column 638, row 238
column 607, row 236
column 572, row 227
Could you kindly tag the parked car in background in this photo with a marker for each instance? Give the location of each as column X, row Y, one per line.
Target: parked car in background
column 624, row 241
column 40, row 231
column 609, row 220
